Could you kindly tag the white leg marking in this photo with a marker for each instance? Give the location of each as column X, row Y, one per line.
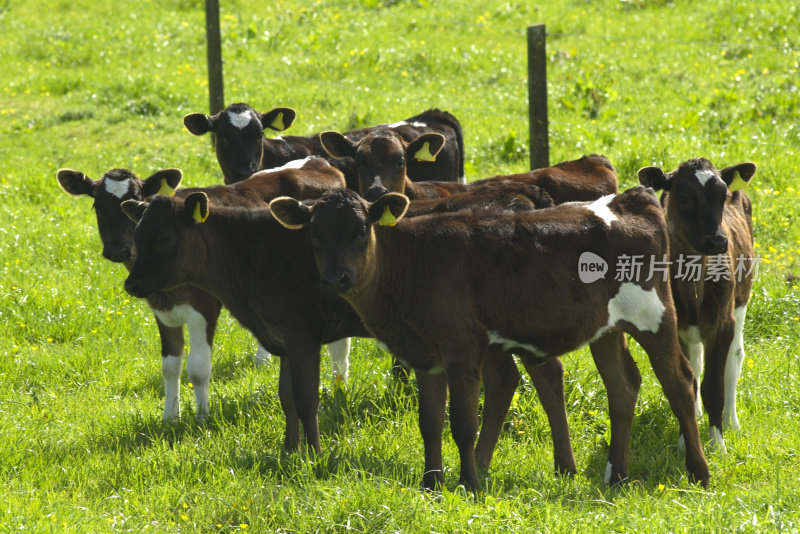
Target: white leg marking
column 607, row 478
column 171, row 373
column 118, row 188
column 198, row 363
column 643, row 309
column 340, row 363
column 694, row 344
column 717, row 441
column 733, row 370
column 262, row 356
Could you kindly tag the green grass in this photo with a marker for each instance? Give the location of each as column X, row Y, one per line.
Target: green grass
column 97, row 85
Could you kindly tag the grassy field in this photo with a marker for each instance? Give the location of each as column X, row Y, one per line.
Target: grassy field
column 98, row 85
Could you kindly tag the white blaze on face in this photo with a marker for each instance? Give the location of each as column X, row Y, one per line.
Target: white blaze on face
column 240, row 120
column 704, row 175
column 118, row 188
column 600, row 208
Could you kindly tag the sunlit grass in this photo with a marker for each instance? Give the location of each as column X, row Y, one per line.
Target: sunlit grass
column 93, row 86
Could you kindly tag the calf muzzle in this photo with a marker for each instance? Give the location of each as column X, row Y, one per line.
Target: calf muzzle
column 715, row 244
column 336, row 281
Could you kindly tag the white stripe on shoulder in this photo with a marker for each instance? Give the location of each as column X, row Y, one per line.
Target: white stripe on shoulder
column 600, row 208
column 294, row 164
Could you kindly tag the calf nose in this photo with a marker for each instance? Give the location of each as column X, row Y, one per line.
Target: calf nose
column 117, row 253
column 336, row 280
column 374, row 192
column 715, row 244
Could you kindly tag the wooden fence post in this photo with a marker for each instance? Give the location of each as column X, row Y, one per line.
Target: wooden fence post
column 216, row 98
column 537, row 97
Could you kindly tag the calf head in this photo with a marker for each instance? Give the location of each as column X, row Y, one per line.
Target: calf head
column 109, row 192
column 694, row 198
column 341, row 227
column 381, row 158
column 238, row 133
column 166, row 249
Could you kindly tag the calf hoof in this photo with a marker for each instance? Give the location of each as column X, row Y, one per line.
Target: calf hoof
column 615, row 476
column 698, row 473
column 433, row 481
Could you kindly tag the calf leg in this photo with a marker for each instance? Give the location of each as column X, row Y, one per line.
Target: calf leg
column 303, row 359
column 340, row 365
column 198, row 364
column 464, row 382
column 622, row 381
column 171, row 362
column 692, row 347
column 500, row 380
column 713, row 385
column 675, row 375
column 548, row 379
column 432, row 390
column 733, row 369
column 291, row 439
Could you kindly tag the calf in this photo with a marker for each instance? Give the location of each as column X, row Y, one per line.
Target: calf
column 439, row 290
column 264, row 274
column 382, row 160
column 713, row 263
column 242, row 148
column 187, row 305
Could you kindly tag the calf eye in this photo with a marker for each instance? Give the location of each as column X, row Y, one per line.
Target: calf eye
column 401, row 163
column 683, row 199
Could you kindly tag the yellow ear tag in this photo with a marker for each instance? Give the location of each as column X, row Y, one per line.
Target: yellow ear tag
column 424, row 153
column 387, row 219
column 738, row 184
column 278, row 122
column 197, row 216
column 165, row 189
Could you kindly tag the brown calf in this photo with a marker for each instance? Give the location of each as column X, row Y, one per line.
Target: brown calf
column 382, row 159
column 439, row 290
column 713, row 265
column 261, row 272
column 188, row 305
column 242, row 148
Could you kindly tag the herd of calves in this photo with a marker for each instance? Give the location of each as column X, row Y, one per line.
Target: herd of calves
column 375, row 233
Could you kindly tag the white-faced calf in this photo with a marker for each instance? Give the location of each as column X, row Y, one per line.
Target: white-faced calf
column 713, row 264
column 242, row 148
column 439, row 290
column 190, row 306
column 261, row 272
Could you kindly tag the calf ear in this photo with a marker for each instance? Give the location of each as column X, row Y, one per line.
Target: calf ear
column 278, row 119
column 337, row 145
column 388, row 209
column 738, row 176
column 198, row 123
column 163, row 182
column 195, row 207
column 426, row 147
column 134, row 209
column 290, row 213
column 653, row 177
column 75, row 182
